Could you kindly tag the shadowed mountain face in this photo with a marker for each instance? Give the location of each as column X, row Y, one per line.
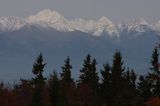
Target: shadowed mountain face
column 21, row 40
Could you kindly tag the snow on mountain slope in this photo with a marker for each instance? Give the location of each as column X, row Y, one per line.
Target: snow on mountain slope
column 48, row 19
column 95, row 28
column 139, row 25
column 156, row 27
column 104, row 24
column 11, row 23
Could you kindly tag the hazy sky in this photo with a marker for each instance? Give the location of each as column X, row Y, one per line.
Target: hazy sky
column 115, row 10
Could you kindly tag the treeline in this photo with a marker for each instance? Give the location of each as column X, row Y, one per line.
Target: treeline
column 116, row 85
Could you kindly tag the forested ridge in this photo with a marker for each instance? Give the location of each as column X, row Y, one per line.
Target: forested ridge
column 113, row 85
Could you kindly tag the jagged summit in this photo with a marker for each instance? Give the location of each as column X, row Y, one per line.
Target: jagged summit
column 52, row 19
column 55, row 20
column 46, row 16
column 104, row 19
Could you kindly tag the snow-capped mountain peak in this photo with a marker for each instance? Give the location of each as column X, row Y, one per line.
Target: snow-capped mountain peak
column 46, row 15
column 104, row 19
column 54, row 20
column 104, row 24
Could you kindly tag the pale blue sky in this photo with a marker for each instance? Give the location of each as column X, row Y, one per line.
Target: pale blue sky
column 115, row 10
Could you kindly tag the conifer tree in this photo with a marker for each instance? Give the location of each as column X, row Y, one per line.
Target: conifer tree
column 144, row 87
column 123, row 91
column 154, row 62
column 130, row 77
column 53, row 87
column 133, row 78
column 38, row 81
column 66, row 82
column 38, row 68
column 117, row 80
column 23, row 91
column 131, row 94
column 154, row 75
column 105, row 85
column 66, row 72
column 89, row 76
column 117, row 69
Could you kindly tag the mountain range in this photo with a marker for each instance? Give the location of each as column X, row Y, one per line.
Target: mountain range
column 22, row 39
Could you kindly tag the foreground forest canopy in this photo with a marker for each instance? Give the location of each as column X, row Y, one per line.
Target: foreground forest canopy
column 115, row 85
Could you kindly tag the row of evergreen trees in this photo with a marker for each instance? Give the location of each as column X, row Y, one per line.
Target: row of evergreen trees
column 116, row 86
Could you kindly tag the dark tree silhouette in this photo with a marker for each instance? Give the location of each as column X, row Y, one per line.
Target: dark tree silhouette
column 117, row 87
column 53, row 87
column 106, row 84
column 117, row 81
column 154, row 74
column 144, row 87
column 38, row 69
column 38, row 82
column 89, row 76
column 66, row 83
column 66, row 72
column 122, row 90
